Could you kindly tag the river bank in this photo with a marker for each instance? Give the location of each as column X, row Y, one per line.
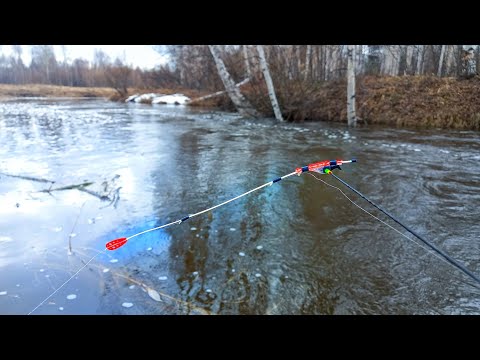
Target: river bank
column 402, row 101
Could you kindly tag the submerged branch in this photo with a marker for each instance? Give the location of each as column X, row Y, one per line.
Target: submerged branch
column 73, row 228
column 68, row 187
column 107, row 189
column 94, row 193
column 31, row 178
column 145, row 287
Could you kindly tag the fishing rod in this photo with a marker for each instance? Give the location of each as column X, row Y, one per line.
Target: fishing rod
column 328, row 170
column 320, row 167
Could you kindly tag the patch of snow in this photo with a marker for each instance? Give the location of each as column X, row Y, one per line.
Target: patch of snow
column 71, row 297
column 258, row 275
column 179, row 99
column 131, row 287
column 145, row 97
column 193, row 228
column 232, row 229
column 259, row 247
column 149, row 249
column 60, row 308
column 3, row 293
column 113, row 261
column 106, row 270
column 241, row 253
column 127, row 305
column 163, row 278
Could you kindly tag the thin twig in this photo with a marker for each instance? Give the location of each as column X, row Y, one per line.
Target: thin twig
column 73, row 228
column 31, row 178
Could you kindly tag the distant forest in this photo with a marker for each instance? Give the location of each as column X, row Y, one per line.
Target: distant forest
column 192, row 66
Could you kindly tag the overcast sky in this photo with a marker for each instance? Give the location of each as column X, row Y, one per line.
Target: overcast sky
column 143, row 56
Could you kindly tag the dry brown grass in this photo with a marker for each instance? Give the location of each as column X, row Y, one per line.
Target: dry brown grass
column 40, row 90
column 412, row 101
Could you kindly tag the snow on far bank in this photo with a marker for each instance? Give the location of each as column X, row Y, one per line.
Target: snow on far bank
column 178, row 99
column 171, row 99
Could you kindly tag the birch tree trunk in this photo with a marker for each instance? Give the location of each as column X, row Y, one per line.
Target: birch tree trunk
column 299, row 62
column 352, row 118
column 241, row 103
column 419, row 60
column 268, row 80
column 477, row 59
column 359, row 60
column 409, row 54
column 391, row 60
column 440, row 62
column 247, row 63
column 308, row 56
column 449, row 59
column 328, row 62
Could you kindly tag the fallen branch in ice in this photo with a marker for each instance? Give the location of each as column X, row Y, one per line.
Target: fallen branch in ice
column 218, row 93
column 31, row 178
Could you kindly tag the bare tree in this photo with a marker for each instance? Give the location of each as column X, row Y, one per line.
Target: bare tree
column 352, row 118
column 43, row 59
column 420, row 54
column 118, row 77
column 268, row 80
column 247, row 62
column 308, row 57
column 391, row 60
column 241, row 103
column 409, row 59
column 440, row 61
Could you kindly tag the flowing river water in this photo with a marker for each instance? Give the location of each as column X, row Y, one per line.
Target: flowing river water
column 297, row 247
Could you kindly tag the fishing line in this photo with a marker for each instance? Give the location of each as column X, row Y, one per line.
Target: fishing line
column 391, row 227
column 447, row 257
column 66, row 282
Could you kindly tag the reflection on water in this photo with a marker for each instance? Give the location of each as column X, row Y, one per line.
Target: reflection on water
column 298, row 247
